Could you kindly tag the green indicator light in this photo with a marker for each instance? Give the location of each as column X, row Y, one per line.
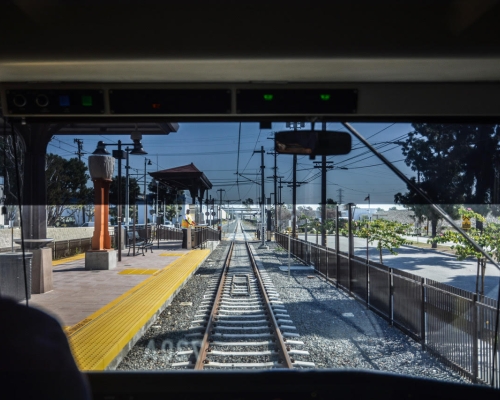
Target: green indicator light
column 87, row 101
column 268, row 97
column 325, row 96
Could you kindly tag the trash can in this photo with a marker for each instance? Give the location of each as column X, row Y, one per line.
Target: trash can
column 12, row 282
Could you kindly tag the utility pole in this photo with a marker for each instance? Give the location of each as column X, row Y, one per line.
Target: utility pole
column 294, row 185
column 263, row 202
column 294, row 188
column 279, row 202
column 324, row 165
column 220, row 207
column 340, row 195
column 80, row 153
column 274, row 177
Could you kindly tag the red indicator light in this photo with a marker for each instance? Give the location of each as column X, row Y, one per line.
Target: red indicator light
column 156, row 106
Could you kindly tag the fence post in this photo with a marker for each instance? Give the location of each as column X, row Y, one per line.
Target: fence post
column 367, row 283
column 350, row 250
column 422, row 314
column 391, row 292
column 337, row 245
column 325, row 250
column 475, row 328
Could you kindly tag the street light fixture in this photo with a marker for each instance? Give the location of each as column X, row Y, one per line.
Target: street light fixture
column 120, row 155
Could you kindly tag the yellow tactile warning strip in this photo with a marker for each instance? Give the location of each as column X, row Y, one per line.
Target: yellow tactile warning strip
column 68, row 259
column 138, row 271
column 172, row 254
column 96, row 344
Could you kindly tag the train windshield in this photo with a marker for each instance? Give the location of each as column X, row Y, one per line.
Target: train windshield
column 229, row 254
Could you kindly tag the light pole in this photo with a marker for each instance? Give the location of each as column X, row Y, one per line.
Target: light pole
column 127, row 190
column 145, row 198
column 120, row 155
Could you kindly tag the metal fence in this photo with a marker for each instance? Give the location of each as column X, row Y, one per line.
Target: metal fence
column 68, row 248
column 453, row 324
column 201, row 234
column 166, row 233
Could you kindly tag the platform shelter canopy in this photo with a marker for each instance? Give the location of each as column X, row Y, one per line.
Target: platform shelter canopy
column 185, row 177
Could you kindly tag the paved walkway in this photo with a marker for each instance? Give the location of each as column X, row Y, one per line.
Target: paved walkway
column 427, row 263
column 79, row 293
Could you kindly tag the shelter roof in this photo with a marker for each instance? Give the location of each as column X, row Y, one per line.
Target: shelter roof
column 185, row 177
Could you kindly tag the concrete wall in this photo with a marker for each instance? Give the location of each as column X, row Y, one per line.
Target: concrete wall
column 56, row 233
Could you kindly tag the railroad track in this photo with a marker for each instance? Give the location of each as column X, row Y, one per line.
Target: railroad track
column 241, row 322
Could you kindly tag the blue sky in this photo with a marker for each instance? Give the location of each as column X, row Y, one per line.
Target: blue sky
column 213, row 148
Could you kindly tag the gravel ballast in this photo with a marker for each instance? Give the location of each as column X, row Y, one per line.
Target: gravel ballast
column 338, row 331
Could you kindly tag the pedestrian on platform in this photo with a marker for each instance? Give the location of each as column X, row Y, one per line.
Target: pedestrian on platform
column 188, row 220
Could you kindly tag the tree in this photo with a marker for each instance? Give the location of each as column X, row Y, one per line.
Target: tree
column 284, row 214
column 134, row 193
column 171, row 211
column 248, row 202
column 331, row 207
column 488, row 239
column 387, row 234
column 166, row 193
column 65, row 180
column 457, row 163
column 306, row 212
column 9, row 148
column 422, row 208
column 88, row 193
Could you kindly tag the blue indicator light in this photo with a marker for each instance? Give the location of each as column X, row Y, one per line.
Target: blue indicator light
column 64, row 101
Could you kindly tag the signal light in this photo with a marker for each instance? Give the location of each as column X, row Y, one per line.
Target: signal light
column 64, row 101
column 268, row 97
column 325, row 97
column 86, row 101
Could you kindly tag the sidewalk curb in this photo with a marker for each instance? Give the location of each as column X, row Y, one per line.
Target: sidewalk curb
column 429, row 250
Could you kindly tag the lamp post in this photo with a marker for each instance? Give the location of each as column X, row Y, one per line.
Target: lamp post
column 120, row 155
column 145, row 198
column 127, row 190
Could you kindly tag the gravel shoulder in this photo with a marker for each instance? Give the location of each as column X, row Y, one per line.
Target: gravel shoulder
column 338, row 331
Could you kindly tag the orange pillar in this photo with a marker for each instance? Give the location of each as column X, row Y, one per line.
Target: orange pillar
column 101, row 239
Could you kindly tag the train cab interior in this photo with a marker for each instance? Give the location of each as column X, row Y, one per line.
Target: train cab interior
column 398, row 61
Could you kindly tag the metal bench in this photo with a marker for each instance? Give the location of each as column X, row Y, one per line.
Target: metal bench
column 141, row 244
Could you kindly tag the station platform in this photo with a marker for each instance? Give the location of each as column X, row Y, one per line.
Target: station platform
column 104, row 312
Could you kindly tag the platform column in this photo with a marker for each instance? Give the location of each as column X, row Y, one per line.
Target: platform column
column 101, row 256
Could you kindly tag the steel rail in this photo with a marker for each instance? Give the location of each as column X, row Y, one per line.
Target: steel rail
column 282, row 347
column 200, row 362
